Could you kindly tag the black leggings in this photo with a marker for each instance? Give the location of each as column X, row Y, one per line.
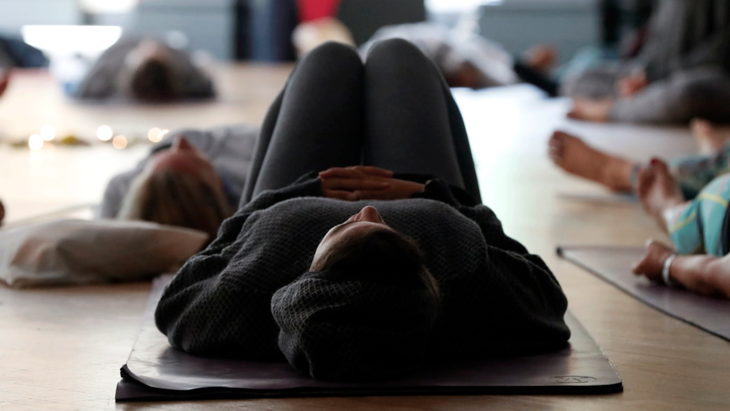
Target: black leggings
column 395, row 112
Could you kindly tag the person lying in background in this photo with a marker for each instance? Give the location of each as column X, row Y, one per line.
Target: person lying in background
column 691, row 208
column 682, row 72
column 467, row 59
column 191, row 179
column 145, row 70
column 354, row 273
column 464, row 58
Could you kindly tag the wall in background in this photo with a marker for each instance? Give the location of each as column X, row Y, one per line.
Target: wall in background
column 14, row 14
column 208, row 24
column 519, row 24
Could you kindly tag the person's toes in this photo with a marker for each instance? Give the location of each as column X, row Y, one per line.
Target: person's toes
column 556, row 145
column 644, row 181
column 660, row 167
column 561, row 136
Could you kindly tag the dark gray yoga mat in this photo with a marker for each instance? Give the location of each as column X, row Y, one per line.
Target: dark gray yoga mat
column 613, row 264
column 155, row 371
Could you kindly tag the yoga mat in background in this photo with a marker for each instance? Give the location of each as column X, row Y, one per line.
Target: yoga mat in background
column 613, row 264
column 155, row 371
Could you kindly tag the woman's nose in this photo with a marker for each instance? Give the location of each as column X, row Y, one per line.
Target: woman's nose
column 181, row 143
column 370, row 213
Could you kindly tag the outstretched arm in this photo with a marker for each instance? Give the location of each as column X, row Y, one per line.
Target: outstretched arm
column 705, row 274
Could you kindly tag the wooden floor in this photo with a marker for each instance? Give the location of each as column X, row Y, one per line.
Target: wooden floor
column 62, row 348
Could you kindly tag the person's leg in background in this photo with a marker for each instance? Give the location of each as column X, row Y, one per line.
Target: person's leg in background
column 692, row 173
column 315, row 123
column 701, row 92
column 412, row 122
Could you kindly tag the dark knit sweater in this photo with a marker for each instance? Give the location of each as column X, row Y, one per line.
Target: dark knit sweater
column 496, row 297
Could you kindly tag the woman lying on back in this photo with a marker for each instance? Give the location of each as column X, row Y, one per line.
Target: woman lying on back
column 357, row 273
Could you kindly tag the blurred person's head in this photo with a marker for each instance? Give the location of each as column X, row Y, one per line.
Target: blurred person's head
column 147, row 75
column 180, row 187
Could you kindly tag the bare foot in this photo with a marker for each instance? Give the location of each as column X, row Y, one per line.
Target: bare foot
column 576, row 157
column 591, row 110
column 658, row 191
column 709, row 138
column 542, row 57
column 652, row 263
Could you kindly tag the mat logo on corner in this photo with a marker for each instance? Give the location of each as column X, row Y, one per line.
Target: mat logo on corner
column 572, row 379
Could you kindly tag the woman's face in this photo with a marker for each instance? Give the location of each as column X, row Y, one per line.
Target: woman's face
column 185, row 158
column 366, row 220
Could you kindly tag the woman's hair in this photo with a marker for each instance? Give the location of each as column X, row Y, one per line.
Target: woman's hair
column 153, row 81
column 380, row 255
column 175, row 198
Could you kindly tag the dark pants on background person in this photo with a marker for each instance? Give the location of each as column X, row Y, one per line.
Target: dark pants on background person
column 395, row 111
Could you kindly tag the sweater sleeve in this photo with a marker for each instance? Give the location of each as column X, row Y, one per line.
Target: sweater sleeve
column 510, row 303
column 218, row 304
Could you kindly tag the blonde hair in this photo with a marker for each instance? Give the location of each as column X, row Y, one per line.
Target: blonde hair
column 175, row 198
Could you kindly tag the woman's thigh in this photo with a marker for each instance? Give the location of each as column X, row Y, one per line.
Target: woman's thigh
column 317, row 122
column 407, row 121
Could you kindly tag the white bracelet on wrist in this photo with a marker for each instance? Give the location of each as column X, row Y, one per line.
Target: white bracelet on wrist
column 666, row 278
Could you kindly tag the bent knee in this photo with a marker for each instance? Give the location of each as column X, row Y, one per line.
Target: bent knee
column 393, row 47
column 333, row 50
